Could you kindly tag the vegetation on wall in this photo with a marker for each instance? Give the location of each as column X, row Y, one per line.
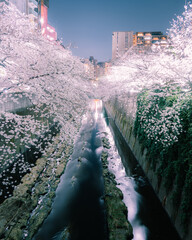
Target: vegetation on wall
column 163, row 125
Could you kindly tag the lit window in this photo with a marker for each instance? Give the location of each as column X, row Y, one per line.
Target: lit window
column 140, row 34
column 147, row 37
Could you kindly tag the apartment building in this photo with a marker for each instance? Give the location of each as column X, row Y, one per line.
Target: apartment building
column 149, row 38
column 121, row 42
column 29, row 7
column 20, row 4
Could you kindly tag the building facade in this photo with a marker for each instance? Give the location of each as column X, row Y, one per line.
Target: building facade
column 32, row 12
column 149, row 39
column 37, row 10
column 29, row 7
column 45, row 3
column 121, row 42
column 89, row 65
column 20, row 4
column 103, row 69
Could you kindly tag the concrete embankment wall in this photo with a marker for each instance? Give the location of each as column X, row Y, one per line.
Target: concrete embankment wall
column 123, row 113
column 12, row 102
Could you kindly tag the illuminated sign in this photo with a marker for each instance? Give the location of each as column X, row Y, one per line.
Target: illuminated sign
column 46, row 30
column 43, row 16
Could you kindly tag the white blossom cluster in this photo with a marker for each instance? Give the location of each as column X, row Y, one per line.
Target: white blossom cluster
column 162, row 125
column 44, row 72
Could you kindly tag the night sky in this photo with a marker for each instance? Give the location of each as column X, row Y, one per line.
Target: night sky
column 87, row 25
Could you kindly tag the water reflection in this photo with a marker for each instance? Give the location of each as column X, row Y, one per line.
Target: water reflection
column 132, row 199
column 78, row 205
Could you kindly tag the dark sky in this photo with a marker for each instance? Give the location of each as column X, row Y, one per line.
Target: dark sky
column 87, row 25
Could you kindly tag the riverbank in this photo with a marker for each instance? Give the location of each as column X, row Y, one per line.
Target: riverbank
column 118, row 225
column 124, row 120
column 23, row 213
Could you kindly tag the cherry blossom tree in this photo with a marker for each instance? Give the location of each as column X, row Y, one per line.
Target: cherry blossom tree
column 52, row 80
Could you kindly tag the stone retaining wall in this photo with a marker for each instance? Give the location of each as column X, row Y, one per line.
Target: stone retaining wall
column 12, row 102
column 124, row 120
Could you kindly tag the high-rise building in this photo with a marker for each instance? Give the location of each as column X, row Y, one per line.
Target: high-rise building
column 29, row 7
column 37, row 10
column 32, row 9
column 45, row 3
column 20, row 4
column 33, row 12
column 121, row 42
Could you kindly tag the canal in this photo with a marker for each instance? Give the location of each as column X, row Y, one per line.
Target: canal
column 78, row 211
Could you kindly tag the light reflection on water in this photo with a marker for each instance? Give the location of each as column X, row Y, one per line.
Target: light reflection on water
column 78, row 204
column 127, row 185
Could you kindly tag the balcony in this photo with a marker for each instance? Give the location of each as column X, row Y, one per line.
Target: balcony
column 33, row 3
column 32, row 12
column 148, row 38
column 140, row 34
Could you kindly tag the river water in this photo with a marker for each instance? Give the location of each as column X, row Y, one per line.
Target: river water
column 79, row 205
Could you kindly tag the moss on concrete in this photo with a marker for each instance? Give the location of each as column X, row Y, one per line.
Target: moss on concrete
column 22, row 214
column 118, row 225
